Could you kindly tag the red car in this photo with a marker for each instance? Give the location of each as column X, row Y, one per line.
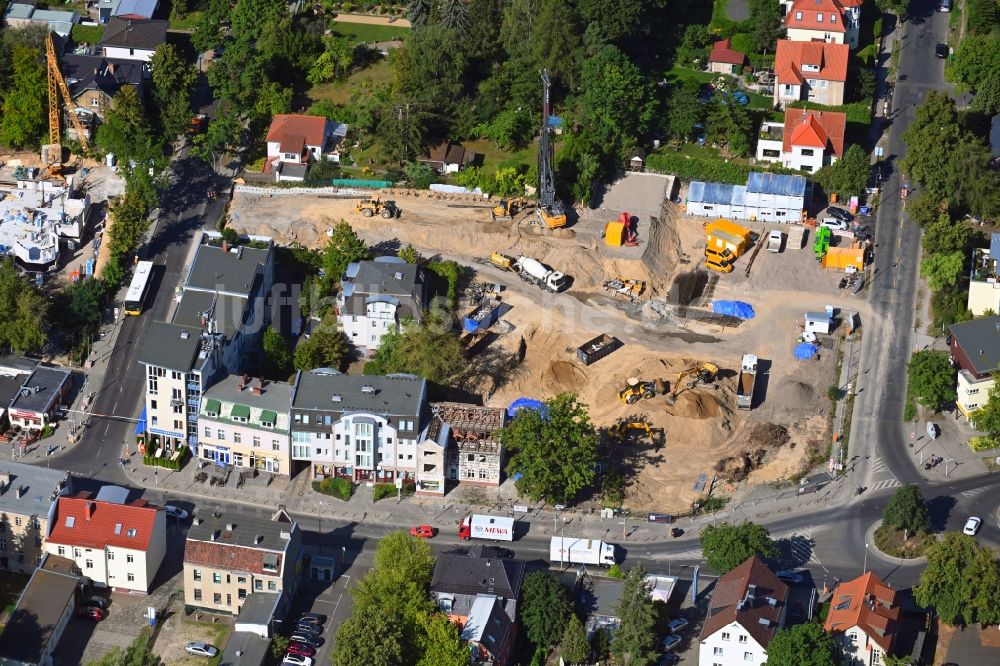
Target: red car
column 301, row 649
column 90, row 613
column 422, row 531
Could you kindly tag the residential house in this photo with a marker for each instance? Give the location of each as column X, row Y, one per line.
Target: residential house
column 834, row 21
column 39, row 618
column 295, row 141
column 598, row 598
column 24, row 14
column 229, row 561
column 244, row 423
column 813, row 71
column 975, row 351
column 36, row 404
column 115, row 542
column 27, row 504
column 984, row 279
column 480, row 595
column 376, row 296
column 448, row 157
column 864, row 620
column 94, row 80
column 746, row 610
column 806, row 140
column 133, row 39
column 461, row 445
column 724, row 60
column 363, row 428
column 133, row 10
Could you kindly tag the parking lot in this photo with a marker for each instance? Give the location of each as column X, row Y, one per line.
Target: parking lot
column 330, row 599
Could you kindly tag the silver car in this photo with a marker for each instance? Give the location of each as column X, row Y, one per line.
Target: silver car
column 201, row 649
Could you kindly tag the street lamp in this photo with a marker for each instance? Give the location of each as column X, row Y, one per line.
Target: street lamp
column 319, row 520
column 866, row 559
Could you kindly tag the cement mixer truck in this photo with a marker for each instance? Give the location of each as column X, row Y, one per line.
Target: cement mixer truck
column 534, row 272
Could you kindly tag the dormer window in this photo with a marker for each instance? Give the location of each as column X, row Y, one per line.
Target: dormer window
column 833, row 18
column 819, row 17
column 798, row 16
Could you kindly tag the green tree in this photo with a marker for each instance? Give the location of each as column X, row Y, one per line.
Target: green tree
column 22, row 311
column 931, row 378
column 961, row 581
column 279, row 646
column 907, row 511
column 987, row 99
column 23, row 121
column 427, row 349
column 574, row 647
column 344, row 247
column 555, row 42
column 683, row 111
column 327, row 347
column 335, row 62
column 553, row 449
column 277, row 357
column 222, row 136
column 983, row 16
column 419, row 175
column 766, row 24
column 975, row 57
column 128, row 225
column 453, row 14
column 634, row 641
column 801, row 645
column 849, row 175
column 944, row 236
column 173, row 78
column 546, row 608
column 399, row 554
column 619, row 103
column 410, row 254
column 897, row 7
column 418, row 12
column 439, row 642
column 730, row 123
column 372, row 636
column 987, row 417
column 942, row 270
column 725, row 547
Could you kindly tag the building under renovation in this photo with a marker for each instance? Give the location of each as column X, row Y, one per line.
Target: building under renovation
column 33, row 218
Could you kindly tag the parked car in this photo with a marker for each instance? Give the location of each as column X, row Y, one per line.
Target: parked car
column 422, row 531
column 676, row 532
column 789, row 576
column 175, row 512
column 312, row 618
column 671, row 641
column 944, row 6
column 201, row 649
column 306, row 638
column 668, row 659
column 941, row 51
column 296, row 660
column 839, row 213
column 306, row 628
column 833, row 223
column 972, row 526
column 90, row 613
column 98, row 602
column 301, row 649
column 677, row 625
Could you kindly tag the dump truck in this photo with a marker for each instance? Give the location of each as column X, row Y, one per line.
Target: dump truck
column 594, row 350
column 481, row 526
column 747, row 382
column 534, row 272
column 572, row 550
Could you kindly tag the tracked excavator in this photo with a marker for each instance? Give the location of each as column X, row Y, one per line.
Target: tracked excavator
column 706, row 373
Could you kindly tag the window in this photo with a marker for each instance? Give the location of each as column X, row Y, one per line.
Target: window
column 255, row 442
column 196, row 573
column 798, row 16
column 152, row 404
column 208, row 431
column 237, row 438
column 241, row 579
column 272, row 585
column 482, row 474
column 241, row 594
column 743, row 638
column 61, row 551
column 770, row 152
column 305, row 419
column 819, row 17
column 17, row 521
column 89, row 564
column 807, row 152
column 130, row 558
column 275, row 446
column 748, row 656
column 94, row 101
column 178, row 409
column 197, row 594
column 833, row 18
column 111, row 556
column 130, row 577
column 176, row 376
column 217, row 598
column 717, row 651
column 471, row 458
column 725, row 635
column 229, row 600
column 221, row 435
column 132, row 532
column 298, row 418
column 3, row 544
column 178, row 425
column 972, row 391
column 258, row 585
column 217, row 578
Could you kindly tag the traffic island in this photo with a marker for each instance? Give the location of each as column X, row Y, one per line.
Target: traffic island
column 887, row 543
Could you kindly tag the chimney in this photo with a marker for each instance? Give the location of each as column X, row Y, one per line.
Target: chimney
column 21, row 490
column 4, row 482
column 257, row 539
column 90, row 509
column 196, row 521
column 244, row 380
column 230, row 527
column 751, row 592
column 111, row 68
column 215, row 535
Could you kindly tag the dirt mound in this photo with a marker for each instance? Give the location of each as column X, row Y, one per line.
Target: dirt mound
column 696, row 406
column 761, row 440
column 768, row 435
column 794, row 393
column 563, row 376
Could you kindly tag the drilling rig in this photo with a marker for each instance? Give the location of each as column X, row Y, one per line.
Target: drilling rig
column 550, row 210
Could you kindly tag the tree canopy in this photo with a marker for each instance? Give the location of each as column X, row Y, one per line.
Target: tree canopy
column 574, row 647
column 848, row 175
column 801, row 645
column 23, row 121
column 343, row 247
column 326, row 347
column 429, row 349
column 961, row 581
column 987, row 417
column 546, row 608
column 725, row 547
column 553, row 449
column 634, row 641
column 931, row 378
column 277, row 356
column 907, row 510
column 22, row 311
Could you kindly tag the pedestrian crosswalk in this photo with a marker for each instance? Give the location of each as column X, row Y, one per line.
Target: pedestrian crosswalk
column 879, row 465
column 969, row 494
column 883, row 484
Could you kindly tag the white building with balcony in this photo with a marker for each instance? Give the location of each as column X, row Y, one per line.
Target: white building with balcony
column 377, row 296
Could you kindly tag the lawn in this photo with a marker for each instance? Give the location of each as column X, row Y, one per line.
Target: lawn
column 11, row 586
column 363, row 32
column 186, row 22
column 339, row 92
column 493, row 156
column 678, row 74
column 87, row 34
column 220, row 633
column 890, row 541
column 703, row 152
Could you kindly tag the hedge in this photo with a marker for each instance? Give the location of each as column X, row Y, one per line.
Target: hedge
column 713, row 171
column 857, row 112
column 335, row 487
column 153, row 461
column 385, row 490
column 742, row 42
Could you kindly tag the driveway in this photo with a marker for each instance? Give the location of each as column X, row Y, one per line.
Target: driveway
column 967, row 649
column 738, row 10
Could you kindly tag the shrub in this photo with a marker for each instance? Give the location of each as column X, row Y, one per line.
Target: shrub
column 168, row 463
column 710, row 170
column 616, row 572
column 742, row 42
column 335, row 487
column 979, row 444
column 382, row 491
column 857, row 112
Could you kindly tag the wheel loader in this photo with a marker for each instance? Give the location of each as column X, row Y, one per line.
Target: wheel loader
column 636, row 390
column 375, row 206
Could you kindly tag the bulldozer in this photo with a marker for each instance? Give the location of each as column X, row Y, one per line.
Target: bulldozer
column 702, row 374
column 375, row 206
column 506, row 209
column 637, row 389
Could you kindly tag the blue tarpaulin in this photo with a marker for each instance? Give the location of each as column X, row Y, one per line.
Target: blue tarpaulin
column 526, row 403
column 734, row 309
column 804, row 350
column 140, row 427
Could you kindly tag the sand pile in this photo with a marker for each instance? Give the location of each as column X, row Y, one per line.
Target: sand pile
column 696, row 406
column 562, row 376
column 761, row 440
column 795, row 392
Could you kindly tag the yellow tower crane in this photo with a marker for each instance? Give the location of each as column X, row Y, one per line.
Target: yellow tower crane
column 57, row 86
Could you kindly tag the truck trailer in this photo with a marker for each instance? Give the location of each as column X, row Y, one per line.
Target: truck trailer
column 571, row 550
column 479, row 526
column 747, row 381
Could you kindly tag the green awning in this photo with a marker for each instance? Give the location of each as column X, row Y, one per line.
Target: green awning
column 267, row 416
column 241, row 411
column 212, row 406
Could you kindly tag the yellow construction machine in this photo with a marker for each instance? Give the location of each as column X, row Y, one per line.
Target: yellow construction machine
column 637, row 389
column 702, row 374
column 52, row 151
column 506, row 209
column 550, row 210
column 375, row 206
column 622, row 428
column 503, row 261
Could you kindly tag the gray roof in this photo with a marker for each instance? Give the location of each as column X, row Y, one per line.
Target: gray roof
column 40, row 488
column 232, row 272
column 600, row 597
column 145, row 34
column 227, row 311
column 379, row 277
column 980, row 340
column 258, row 608
column 165, row 345
column 48, row 381
column 16, row 365
column 487, row 624
column 246, row 528
column 9, row 386
column 19, row 10
column 460, row 574
column 245, row 649
column 402, row 395
column 50, row 591
column 95, row 72
column 275, row 396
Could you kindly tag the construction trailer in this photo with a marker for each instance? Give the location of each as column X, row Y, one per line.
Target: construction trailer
column 766, row 197
column 724, row 235
column 818, row 322
column 845, row 259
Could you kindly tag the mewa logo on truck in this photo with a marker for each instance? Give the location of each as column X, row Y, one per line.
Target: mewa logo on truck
column 476, row 526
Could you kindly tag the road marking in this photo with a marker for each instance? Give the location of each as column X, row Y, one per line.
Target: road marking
column 972, row 493
column 885, row 483
column 879, row 465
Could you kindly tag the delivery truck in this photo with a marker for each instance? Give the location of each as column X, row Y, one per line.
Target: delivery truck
column 571, row 550
column 478, row 526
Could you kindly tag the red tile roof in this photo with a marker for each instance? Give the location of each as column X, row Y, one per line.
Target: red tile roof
column 290, row 129
column 791, row 56
column 818, row 129
column 98, row 524
column 731, row 601
column 230, row 557
column 816, row 15
column 722, row 51
column 868, row 603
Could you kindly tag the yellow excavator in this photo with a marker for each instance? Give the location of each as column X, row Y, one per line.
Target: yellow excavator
column 704, row 373
column 620, row 429
column 637, row 389
column 506, row 209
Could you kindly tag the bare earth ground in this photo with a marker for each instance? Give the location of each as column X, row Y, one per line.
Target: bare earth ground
column 177, row 631
column 704, row 426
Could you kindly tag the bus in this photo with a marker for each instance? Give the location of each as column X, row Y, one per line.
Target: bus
column 138, row 288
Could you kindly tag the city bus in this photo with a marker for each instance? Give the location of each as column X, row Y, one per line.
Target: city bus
column 138, row 288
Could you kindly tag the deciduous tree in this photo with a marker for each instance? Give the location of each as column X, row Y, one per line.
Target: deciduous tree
column 727, row 546
column 849, row 175
column 766, row 24
column 619, row 102
column 554, row 449
column 22, row 311
column 931, row 378
column 372, row 636
column 343, row 248
column 961, row 581
column 683, row 111
column 801, row 645
column 634, row 641
column 546, row 608
column 942, row 270
column 987, row 417
column 429, row 349
column 277, row 357
column 907, row 511
column 327, row 347
column 23, row 120
column 439, row 642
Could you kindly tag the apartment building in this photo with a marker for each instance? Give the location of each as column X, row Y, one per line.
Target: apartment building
column 363, row 428
column 112, row 541
column 834, row 21
column 864, row 619
column 984, row 279
column 244, row 423
column 376, row 296
column 227, row 560
column 975, row 350
column 41, row 615
column 27, row 505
